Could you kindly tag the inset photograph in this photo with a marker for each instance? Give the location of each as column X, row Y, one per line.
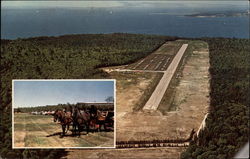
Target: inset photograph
column 63, row 113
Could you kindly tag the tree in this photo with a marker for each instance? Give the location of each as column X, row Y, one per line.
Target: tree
column 109, row 99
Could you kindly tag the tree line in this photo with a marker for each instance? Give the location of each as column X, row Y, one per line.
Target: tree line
column 68, row 107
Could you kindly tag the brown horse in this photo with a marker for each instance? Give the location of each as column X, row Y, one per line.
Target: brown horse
column 65, row 119
column 80, row 119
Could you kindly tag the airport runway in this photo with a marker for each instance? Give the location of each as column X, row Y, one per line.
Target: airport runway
column 155, row 99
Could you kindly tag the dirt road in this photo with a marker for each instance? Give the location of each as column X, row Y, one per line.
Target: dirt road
column 155, row 99
column 141, row 153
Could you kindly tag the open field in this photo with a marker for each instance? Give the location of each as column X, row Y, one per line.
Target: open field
column 188, row 96
column 169, row 48
column 159, row 60
column 42, row 131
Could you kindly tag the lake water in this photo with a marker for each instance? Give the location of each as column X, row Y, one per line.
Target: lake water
column 23, row 23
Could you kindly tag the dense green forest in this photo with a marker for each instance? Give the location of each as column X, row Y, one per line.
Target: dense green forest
column 227, row 125
column 68, row 57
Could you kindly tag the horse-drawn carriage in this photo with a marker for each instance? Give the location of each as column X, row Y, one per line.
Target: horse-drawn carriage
column 89, row 120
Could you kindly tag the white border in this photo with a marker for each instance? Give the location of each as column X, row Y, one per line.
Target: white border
column 13, row 146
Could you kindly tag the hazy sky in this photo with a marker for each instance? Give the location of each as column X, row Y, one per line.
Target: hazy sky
column 121, row 3
column 41, row 93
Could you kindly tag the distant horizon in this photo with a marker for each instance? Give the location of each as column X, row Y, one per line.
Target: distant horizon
column 27, row 19
column 63, row 104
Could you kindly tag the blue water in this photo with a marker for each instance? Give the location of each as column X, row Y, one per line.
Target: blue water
column 23, row 23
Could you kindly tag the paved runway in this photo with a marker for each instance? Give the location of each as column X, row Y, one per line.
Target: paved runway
column 155, row 99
